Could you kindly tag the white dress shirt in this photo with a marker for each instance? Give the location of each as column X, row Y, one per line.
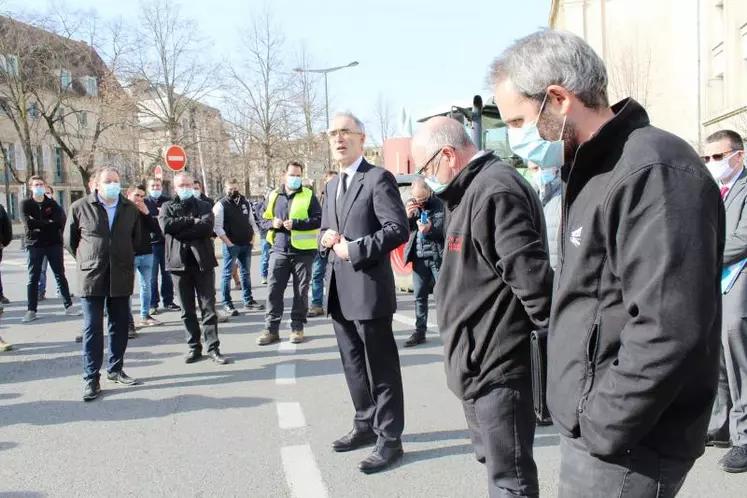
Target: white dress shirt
column 220, row 231
column 349, row 172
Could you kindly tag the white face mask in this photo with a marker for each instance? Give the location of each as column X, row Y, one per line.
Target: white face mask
column 720, row 169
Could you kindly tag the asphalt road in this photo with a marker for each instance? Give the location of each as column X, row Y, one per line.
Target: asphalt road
column 259, row 427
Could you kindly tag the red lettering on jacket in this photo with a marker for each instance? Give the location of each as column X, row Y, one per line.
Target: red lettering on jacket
column 455, row 244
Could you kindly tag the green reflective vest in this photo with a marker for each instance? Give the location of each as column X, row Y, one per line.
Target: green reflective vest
column 303, row 240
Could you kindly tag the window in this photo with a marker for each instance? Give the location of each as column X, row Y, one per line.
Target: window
column 61, row 115
column 91, row 85
column 39, row 159
column 66, row 80
column 61, row 199
column 12, row 212
column 33, row 111
column 82, row 119
column 58, row 165
column 10, row 151
column 9, row 65
column 718, row 62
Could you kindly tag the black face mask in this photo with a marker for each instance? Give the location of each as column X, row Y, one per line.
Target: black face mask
column 234, row 195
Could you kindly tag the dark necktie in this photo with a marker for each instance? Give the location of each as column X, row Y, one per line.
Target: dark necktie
column 341, row 196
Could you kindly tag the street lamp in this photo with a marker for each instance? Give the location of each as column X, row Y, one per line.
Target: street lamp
column 325, row 72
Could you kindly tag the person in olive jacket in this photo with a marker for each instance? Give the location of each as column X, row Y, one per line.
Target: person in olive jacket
column 188, row 225
column 102, row 232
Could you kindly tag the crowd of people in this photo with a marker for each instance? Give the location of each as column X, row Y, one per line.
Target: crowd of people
column 623, row 247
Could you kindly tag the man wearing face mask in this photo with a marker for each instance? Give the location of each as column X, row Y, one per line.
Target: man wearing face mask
column 634, row 339
column 296, row 216
column 550, row 188
column 188, row 226
column 155, row 199
column 235, row 226
column 43, row 220
column 102, row 233
column 494, row 288
column 724, row 157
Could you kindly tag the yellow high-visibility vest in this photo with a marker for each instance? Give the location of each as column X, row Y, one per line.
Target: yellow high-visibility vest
column 303, row 240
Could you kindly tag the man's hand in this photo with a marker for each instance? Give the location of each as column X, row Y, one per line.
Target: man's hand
column 424, row 228
column 330, row 238
column 288, row 224
column 277, row 223
column 411, row 208
column 142, row 207
column 341, row 249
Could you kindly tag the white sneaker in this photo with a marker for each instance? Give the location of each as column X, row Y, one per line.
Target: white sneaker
column 30, row 316
column 71, row 311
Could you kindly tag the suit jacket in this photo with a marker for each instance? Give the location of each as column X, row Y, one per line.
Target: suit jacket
column 735, row 250
column 374, row 223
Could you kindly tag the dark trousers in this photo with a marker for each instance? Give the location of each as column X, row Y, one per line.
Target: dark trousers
column 639, row 473
column 282, row 267
column 424, row 275
column 2, row 294
column 501, row 425
column 167, row 286
column 202, row 283
column 34, row 258
column 368, row 346
column 93, row 333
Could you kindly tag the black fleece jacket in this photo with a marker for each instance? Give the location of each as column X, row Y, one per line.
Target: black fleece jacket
column 495, row 282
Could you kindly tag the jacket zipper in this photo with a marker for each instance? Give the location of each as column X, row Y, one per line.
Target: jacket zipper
column 591, row 357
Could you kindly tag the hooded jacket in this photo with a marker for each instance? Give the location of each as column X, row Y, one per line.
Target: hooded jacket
column 495, row 282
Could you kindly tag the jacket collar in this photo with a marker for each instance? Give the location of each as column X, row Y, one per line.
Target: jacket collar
column 552, row 189
column 629, row 116
column 459, row 184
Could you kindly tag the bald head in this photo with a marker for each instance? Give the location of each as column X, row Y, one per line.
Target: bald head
column 441, row 148
column 420, row 190
column 183, row 180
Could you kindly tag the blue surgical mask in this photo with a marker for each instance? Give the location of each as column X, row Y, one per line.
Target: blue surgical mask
column 196, row 192
column 436, row 186
column 184, row 193
column 293, row 182
column 546, row 176
column 527, row 143
column 38, row 191
column 155, row 193
column 110, row 190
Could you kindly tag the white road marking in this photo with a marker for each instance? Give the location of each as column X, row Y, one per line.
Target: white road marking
column 287, row 347
column 285, row 374
column 290, row 415
column 410, row 321
column 302, row 473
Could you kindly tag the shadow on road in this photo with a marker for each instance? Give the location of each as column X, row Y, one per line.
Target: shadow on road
column 110, row 409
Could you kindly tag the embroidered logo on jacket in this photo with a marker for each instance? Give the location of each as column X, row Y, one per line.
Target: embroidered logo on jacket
column 576, row 237
column 454, row 244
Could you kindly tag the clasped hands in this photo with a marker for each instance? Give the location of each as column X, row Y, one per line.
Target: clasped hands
column 333, row 240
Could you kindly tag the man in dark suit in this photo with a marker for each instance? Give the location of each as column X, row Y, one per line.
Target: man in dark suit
column 724, row 156
column 363, row 220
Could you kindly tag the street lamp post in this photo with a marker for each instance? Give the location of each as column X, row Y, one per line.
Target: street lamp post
column 325, row 72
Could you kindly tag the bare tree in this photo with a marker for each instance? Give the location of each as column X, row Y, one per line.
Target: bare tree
column 384, row 116
column 20, row 74
column 262, row 91
column 307, row 99
column 86, row 111
column 168, row 74
column 629, row 68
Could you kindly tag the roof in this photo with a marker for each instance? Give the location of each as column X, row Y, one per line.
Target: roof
column 43, row 53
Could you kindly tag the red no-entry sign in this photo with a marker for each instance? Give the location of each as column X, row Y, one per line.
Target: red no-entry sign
column 176, row 158
column 158, row 172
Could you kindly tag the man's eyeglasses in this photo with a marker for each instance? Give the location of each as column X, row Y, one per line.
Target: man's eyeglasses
column 343, row 132
column 424, row 168
column 718, row 157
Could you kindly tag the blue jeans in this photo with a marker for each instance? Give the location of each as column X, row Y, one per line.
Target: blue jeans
column 264, row 259
column 242, row 254
column 425, row 273
column 144, row 268
column 167, row 287
column 93, row 333
column 34, row 258
column 317, row 281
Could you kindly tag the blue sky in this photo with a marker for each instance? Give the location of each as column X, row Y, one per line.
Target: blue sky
column 418, row 53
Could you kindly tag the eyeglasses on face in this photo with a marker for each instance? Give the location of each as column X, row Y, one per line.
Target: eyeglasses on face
column 342, row 132
column 719, row 156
